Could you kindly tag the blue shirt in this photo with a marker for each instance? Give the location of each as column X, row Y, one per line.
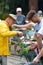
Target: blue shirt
column 20, row 20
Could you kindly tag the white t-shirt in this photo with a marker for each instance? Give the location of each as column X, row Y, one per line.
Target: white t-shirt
column 39, row 27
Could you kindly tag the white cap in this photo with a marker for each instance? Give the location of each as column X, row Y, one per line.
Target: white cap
column 18, row 9
column 13, row 16
column 39, row 12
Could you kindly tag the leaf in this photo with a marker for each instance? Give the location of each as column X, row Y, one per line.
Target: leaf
column 28, row 29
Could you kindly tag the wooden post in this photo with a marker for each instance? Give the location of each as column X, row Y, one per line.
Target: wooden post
column 33, row 4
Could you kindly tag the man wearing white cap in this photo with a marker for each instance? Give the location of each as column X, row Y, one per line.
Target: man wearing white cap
column 5, row 33
column 20, row 18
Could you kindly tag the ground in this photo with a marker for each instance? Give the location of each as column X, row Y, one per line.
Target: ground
column 15, row 60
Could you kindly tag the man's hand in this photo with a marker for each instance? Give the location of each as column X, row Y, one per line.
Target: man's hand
column 36, row 60
column 15, row 25
column 19, row 33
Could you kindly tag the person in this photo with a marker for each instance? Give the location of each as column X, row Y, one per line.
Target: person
column 19, row 21
column 5, row 33
column 20, row 17
column 38, row 28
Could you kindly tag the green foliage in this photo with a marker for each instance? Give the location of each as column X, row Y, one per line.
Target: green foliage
column 6, row 7
column 22, row 45
column 24, row 51
column 28, row 28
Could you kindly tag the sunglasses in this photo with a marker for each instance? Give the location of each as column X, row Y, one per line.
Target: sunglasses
column 19, row 11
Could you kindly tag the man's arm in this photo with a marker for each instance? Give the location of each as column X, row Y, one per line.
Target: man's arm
column 23, row 26
column 39, row 41
column 39, row 38
column 5, row 32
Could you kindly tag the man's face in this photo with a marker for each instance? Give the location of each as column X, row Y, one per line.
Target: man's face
column 35, row 18
column 19, row 12
column 11, row 21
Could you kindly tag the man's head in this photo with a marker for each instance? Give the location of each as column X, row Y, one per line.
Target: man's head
column 19, row 11
column 40, row 13
column 10, row 18
column 32, row 16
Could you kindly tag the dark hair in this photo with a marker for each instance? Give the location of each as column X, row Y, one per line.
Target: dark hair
column 30, row 14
